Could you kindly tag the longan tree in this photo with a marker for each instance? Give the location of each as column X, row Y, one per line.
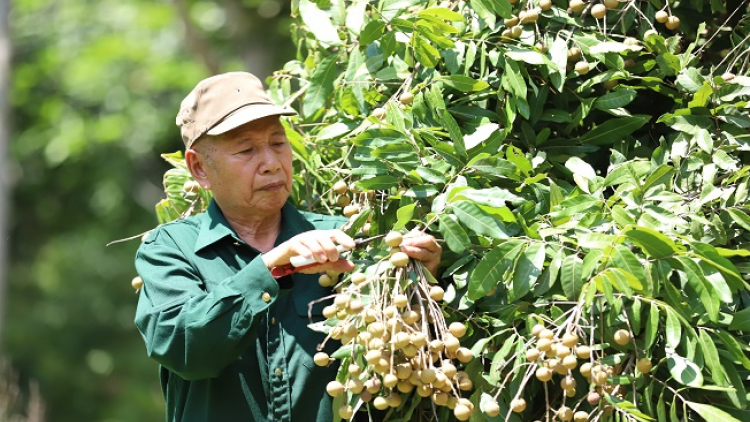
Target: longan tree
column 584, row 165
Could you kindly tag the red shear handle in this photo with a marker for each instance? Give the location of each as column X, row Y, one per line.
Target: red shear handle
column 286, row 269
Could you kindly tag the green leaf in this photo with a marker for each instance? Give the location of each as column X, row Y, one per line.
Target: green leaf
column 652, row 326
column 404, row 214
column 673, row 328
column 570, row 276
column 476, row 220
column 442, row 13
column 711, row 413
column 734, row 348
column 373, row 31
column 684, row 371
column 697, row 280
column 613, row 130
column 490, row 270
column 493, row 166
column 464, row 83
column 512, row 80
column 485, row 10
column 739, row 217
column 527, row 270
column 711, row 355
column 426, row 53
column 741, row 321
column 321, row 86
column 615, row 99
column 455, row 133
column 623, row 258
column 378, row 183
column 319, row 23
column 453, row 233
column 653, row 243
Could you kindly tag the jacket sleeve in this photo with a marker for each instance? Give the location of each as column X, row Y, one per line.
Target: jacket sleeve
column 192, row 332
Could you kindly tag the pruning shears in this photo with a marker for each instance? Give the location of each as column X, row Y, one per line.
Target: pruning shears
column 299, row 262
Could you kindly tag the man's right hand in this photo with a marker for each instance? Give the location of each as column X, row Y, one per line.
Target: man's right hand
column 319, row 245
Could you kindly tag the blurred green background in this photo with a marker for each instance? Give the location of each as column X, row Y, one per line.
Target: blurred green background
column 93, row 90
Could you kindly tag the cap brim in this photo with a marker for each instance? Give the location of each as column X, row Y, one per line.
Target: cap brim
column 247, row 114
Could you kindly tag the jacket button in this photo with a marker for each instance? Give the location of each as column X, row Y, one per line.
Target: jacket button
column 266, row 297
column 273, row 321
column 278, row 372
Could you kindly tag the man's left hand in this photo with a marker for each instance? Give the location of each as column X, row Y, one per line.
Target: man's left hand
column 423, row 247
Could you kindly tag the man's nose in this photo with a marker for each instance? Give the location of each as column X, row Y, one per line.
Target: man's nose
column 271, row 162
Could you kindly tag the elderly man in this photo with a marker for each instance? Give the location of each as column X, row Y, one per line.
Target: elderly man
column 232, row 341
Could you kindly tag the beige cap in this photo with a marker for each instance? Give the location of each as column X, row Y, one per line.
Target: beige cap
column 223, row 102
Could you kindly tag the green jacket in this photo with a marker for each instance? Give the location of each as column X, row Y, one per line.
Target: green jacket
column 232, row 342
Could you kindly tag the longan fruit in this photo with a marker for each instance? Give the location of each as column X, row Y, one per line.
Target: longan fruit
column 622, row 337
column 458, row 329
column 437, row 293
column 544, row 344
column 321, row 359
column 543, row 374
column 593, row 398
column 137, row 282
column 358, row 278
column 340, row 187
column 644, row 365
column 661, row 16
column 532, row 355
column 583, row 352
column 518, row 405
column 343, row 200
column 516, row 31
column 576, row 5
column 536, row 329
column 393, row 239
column 545, row 4
column 564, row 413
column 464, row 355
column 380, row 403
column 570, row 340
column 547, row 333
column 378, row 113
column 599, row 11
column 462, row 412
column 511, row 22
column 399, row 259
column 346, row 411
column 492, row 409
column 581, row 416
column 673, row 22
column 611, row 4
column 334, row 388
column 406, row 98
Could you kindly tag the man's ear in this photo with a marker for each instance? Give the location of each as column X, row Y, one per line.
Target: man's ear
column 198, row 167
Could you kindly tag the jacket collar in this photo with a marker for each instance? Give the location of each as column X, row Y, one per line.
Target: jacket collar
column 214, row 227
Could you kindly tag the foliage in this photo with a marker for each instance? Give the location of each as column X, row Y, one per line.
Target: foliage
column 587, row 175
column 589, row 199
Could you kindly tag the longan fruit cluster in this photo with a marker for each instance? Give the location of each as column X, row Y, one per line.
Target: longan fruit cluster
column 399, row 340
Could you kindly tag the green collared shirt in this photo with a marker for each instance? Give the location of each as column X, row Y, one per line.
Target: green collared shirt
column 232, row 343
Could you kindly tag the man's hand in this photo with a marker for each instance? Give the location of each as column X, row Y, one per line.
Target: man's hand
column 423, row 247
column 317, row 244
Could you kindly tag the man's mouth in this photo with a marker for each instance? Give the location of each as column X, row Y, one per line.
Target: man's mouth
column 273, row 186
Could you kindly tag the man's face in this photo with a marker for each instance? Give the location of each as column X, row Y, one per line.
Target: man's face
column 249, row 169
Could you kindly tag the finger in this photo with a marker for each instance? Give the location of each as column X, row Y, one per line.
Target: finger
column 343, row 239
column 424, row 241
column 340, row 266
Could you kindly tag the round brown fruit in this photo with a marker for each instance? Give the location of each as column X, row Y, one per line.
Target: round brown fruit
column 326, row 281
column 399, row 259
column 380, row 403
column 531, row 17
column 622, row 337
column 358, row 278
column 351, row 210
column 518, row 405
column 576, row 5
column 564, row 413
column 343, row 200
column 583, row 352
column 516, row 31
column 537, row 329
column 458, row 329
column 599, row 11
column 378, row 113
column 464, row 355
column 581, row 416
column 335, row 388
column 593, row 398
column 661, row 16
column 346, row 411
column 340, row 187
column 191, row 186
column 137, row 282
column 462, row 412
column 532, row 355
column 728, row 76
column 582, row 67
column 673, row 22
column 321, row 359
column 611, row 4
column 406, row 98
column 510, row 23
column 492, row 409
column 570, row 340
column 644, row 365
column 543, row 374
column 545, row 4
column 393, row 239
column 437, row 293
column 574, row 53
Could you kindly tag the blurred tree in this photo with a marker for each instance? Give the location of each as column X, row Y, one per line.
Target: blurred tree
column 94, row 92
column 4, row 132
